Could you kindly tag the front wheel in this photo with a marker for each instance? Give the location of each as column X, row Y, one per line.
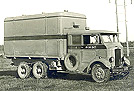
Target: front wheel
column 100, row 73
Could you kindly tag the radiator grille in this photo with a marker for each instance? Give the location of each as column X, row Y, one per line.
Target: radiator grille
column 117, row 57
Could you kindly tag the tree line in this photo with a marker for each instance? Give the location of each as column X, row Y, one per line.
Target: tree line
column 130, row 43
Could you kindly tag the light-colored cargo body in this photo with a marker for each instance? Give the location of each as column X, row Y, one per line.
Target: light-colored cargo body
column 43, row 24
column 36, row 48
column 25, row 36
column 60, row 42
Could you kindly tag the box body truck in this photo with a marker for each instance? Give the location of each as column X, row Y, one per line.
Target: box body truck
column 61, row 42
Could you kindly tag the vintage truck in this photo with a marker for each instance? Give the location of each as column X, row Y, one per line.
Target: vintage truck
column 61, row 42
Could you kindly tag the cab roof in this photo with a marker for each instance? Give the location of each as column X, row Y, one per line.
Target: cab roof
column 92, row 32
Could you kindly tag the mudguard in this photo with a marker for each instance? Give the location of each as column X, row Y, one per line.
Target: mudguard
column 127, row 61
column 100, row 60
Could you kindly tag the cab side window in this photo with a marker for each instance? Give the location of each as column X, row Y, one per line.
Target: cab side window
column 91, row 39
column 76, row 39
column 86, row 39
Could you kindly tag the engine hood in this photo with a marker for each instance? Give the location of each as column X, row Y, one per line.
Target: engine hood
column 113, row 45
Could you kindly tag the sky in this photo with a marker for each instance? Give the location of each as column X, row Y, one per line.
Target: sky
column 100, row 13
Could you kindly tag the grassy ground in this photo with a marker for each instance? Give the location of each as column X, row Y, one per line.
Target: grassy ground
column 10, row 82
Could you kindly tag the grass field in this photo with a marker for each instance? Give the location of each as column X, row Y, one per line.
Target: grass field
column 10, row 82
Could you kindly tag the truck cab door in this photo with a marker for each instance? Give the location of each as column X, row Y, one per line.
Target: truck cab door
column 90, row 43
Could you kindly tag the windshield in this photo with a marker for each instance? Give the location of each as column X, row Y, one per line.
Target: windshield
column 110, row 38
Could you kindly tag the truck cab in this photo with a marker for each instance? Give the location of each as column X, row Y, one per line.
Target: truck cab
column 98, row 52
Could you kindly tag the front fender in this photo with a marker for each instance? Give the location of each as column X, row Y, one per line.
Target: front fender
column 127, row 61
column 101, row 60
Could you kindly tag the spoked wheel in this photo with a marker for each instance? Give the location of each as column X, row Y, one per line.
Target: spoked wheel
column 40, row 70
column 100, row 73
column 24, row 70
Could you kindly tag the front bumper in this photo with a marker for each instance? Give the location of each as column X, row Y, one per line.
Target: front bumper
column 121, row 69
column 120, row 72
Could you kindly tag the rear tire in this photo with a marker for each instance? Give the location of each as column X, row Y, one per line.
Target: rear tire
column 100, row 73
column 23, row 70
column 40, row 70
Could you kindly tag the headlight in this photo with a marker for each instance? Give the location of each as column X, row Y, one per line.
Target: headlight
column 123, row 58
column 111, row 59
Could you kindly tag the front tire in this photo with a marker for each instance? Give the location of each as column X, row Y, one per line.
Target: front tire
column 23, row 70
column 40, row 70
column 100, row 73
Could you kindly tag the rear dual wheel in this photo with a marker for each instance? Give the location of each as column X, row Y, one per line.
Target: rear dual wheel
column 24, row 70
column 39, row 70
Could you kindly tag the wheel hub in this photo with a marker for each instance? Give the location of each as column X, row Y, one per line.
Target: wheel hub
column 100, row 73
column 39, row 70
column 23, row 70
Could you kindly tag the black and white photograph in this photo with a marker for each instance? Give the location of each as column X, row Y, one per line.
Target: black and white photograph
column 66, row 45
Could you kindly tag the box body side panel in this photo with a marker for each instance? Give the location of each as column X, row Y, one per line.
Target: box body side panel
column 35, row 48
column 67, row 23
column 22, row 37
column 52, row 26
column 25, row 27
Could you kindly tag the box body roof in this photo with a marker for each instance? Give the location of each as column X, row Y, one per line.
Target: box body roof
column 46, row 15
